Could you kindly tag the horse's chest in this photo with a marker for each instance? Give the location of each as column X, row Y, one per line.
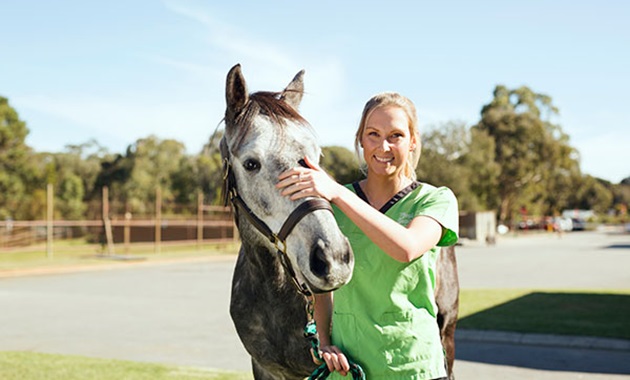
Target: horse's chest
column 268, row 318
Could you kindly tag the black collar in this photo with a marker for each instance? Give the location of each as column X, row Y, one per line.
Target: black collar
column 398, row 196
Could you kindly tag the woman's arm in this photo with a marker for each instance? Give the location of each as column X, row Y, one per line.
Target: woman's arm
column 401, row 243
column 332, row 355
column 323, row 317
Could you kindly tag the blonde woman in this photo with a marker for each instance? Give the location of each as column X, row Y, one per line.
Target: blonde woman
column 385, row 318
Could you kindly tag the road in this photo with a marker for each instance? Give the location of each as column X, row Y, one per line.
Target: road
column 177, row 312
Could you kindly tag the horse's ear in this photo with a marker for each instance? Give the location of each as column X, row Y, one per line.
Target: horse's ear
column 292, row 94
column 236, row 94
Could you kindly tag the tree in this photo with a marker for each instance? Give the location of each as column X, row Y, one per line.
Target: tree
column 463, row 160
column 621, row 200
column 209, row 175
column 133, row 178
column 17, row 174
column 73, row 173
column 154, row 163
column 484, row 177
column 341, row 164
column 440, row 162
column 208, row 168
column 84, row 160
column 592, row 194
column 533, row 154
column 114, row 173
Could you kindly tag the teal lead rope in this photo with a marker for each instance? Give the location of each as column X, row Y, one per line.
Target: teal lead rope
column 322, row 372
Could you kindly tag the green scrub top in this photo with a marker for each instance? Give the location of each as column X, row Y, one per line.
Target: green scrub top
column 385, row 318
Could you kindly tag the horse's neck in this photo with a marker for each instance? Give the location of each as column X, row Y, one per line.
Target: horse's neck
column 260, row 284
column 260, row 261
column 260, row 272
column 268, row 312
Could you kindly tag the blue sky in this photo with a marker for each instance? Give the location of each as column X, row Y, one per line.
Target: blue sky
column 120, row 70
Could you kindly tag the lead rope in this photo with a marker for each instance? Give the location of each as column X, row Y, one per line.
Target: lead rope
column 310, row 332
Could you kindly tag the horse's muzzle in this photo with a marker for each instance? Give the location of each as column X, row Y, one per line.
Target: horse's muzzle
column 330, row 267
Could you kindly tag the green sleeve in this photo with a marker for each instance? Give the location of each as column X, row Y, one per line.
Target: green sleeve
column 441, row 205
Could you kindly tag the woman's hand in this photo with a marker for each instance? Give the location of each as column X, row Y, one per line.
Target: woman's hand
column 335, row 360
column 313, row 181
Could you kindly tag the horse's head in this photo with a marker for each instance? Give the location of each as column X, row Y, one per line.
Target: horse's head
column 264, row 136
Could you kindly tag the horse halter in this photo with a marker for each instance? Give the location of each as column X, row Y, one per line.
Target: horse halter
column 230, row 193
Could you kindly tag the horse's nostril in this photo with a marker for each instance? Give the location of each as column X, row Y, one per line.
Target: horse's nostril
column 319, row 264
column 347, row 253
column 346, row 257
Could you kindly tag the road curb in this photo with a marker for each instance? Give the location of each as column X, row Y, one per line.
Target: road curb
column 548, row 340
column 79, row 268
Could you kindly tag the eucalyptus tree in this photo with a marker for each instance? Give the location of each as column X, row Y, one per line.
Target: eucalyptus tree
column 154, row 163
column 18, row 175
column 462, row 159
column 533, row 154
column 341, row 163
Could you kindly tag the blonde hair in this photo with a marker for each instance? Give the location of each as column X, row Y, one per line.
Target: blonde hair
column 393, row 99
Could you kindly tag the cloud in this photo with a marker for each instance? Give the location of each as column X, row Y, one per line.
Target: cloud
column 267, row 66
column 264, row 60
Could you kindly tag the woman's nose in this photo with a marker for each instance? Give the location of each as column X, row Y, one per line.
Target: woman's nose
column 385, row 145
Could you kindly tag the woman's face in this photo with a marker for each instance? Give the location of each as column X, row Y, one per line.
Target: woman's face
column 386, row 141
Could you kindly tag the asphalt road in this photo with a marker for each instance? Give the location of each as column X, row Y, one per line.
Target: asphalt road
column 177, row 312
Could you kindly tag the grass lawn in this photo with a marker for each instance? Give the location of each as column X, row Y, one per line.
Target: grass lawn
column 67, row 253
column 36, row 366
column 583, row 313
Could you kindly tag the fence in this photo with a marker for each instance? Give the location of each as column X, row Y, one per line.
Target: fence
column 213, row 224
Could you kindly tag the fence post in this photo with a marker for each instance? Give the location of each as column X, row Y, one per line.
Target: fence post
column 49, row 221
column 127, row 231
column 107, row 224
column 158, row 219
column 199, row 218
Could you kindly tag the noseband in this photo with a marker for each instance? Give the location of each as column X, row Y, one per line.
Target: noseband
column 230, row 193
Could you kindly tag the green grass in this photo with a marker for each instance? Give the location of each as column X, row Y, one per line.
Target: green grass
column 36, row 366
column 564, row 312
column 79, row 253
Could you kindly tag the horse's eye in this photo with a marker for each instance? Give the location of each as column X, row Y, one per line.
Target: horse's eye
column 250, row 165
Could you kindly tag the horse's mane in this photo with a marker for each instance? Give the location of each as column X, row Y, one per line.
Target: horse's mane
column 270, row 104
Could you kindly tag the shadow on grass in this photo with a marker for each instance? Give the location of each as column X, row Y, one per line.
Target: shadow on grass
column 619, row 246
column 574, row 314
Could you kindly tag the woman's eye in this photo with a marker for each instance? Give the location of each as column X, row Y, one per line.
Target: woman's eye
column 250, row 165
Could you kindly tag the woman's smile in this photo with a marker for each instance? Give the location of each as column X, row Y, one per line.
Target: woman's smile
column 384, row 160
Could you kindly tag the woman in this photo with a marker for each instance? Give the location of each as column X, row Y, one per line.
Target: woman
column 385, row 317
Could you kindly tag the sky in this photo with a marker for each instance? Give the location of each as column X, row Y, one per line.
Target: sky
column 120, row 70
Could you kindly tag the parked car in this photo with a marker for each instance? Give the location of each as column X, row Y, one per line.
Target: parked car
column 578, row 224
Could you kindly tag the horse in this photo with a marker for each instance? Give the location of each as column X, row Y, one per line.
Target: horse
column 276, row 272
column 447, row 300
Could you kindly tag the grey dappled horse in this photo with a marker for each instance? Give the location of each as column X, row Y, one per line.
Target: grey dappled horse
column 284, row 243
